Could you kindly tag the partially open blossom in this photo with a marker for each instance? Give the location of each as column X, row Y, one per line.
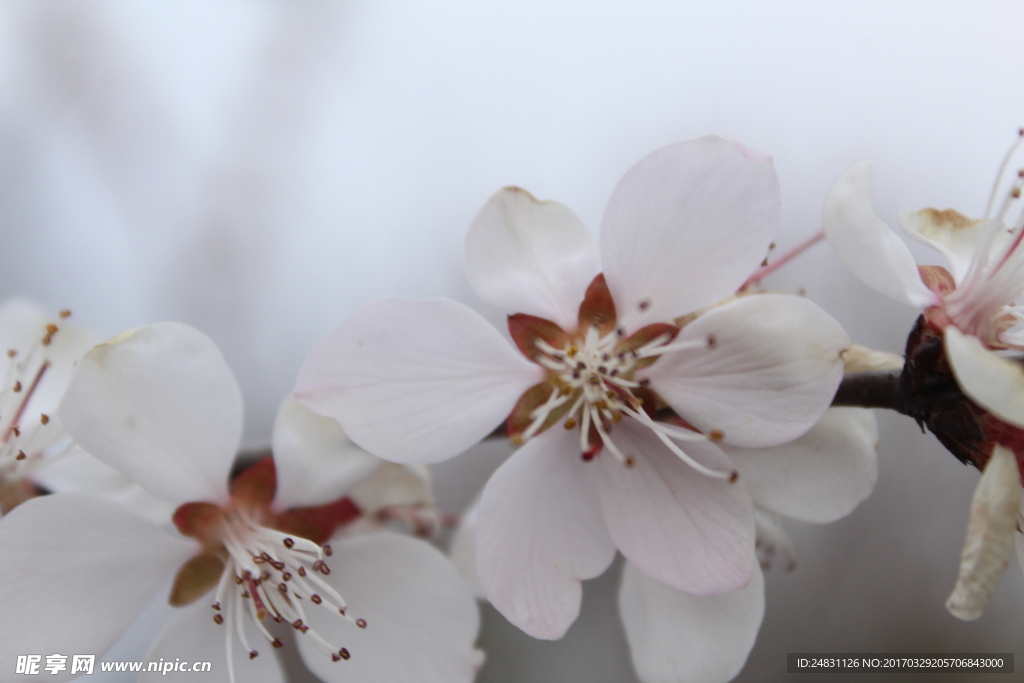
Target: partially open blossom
column 255, row 556
column 970, row 314
column 596, row 357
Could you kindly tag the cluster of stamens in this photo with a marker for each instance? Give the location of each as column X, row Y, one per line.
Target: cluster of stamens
column 269, row 573
column 25, row 447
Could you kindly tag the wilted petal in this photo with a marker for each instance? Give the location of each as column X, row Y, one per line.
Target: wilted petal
column 865, row 244
column 540, row 532
column 676, row 637
column 996, row 383
column 392, row 484
column 421, row 619
column 316, row 463
column 685, row 227
column 768, row 374
column 192, row 637
column 820, row 477
column 683, row 528
column 415, row 381
column 950, row 232
column 76, row 572
column 990, row 535
column 529, row 256
column 160, row 405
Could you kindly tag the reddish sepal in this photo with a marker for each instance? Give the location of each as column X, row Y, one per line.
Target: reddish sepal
column 318, row 523
column 198, row 520
column 256, row 485
column 598, row 308
column 937, row 279
column 519, row 419
column 527, row 329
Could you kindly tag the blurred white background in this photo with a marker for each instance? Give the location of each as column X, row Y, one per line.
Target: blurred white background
column 260, row 170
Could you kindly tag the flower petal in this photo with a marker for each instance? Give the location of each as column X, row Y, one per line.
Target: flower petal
column 529, row 256
column 463, row 548
column 990, row 535
column 678, row 526
column 950, row 232
column 866, row 245
column 768, row 373
column 820, row 477
column 316, row 463
column 76, row 572
column 191, row 637
column 996, row 383
column 421, row 618
column 685, row 227
column 415, row 381
column 160, row 405
column 540, row 531
column 394, row 485
column 676, row 637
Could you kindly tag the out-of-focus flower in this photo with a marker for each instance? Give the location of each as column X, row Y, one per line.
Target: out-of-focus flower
column 421, row 381
column 160, row 405
column 678, row 637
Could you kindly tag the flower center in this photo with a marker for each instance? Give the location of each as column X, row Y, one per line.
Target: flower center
column 592, row 379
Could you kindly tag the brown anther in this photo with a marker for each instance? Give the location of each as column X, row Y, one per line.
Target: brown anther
column 253, row 654
column 716, row 435
column 630, row 461
column 1015, row 193
column 771, row 246
column 287, row 576
column 606, row 357
column 1020, row 173
column 216, row 606
column 11, row 353
column 712, row 341
column 17, row 387
column 276, row 642
column 614, row 372
column 602, row 369
column 245, row 594
column 644, row 381
column 361, row 623
column 734, row 476
column 335, row 657
column 302, row 571
column 16, row 430
column 342, row 611
column 20, row 456
column 289, row 543
column 44, row 418
column 644, row 305
column 218, row 619
column 570, row 423
column 277, row 565
column 65, row 314
column 283, row 587
column 344, row 653
column 328, row 550
column 259, row 559
column 594, row 379
column 616, row 416
column 297, row 624
column 51, row 329
column 571, row 351
column 316, row 599
column 238, row 580
column 321, row 567
column 575, row 374
column 580, row 365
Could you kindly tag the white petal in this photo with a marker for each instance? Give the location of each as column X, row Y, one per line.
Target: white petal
column 316, row 463
column 770, row 374
column 160, row 405
column 392, row 484
column 997, row 384
column 415, row 381
column 676, row 637
column 820, row 477
column 990, row 535
column 76, row 572
column 540, row 532
column 79, row 472
column 421, row 619
column 865, row 244
column 528, row 256
column 950, row 232
column 192, row 637
column 678, row 526
column 463, row 548
column 685, row 227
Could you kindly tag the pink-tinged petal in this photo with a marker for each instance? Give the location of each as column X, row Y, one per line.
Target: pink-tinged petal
column 678, row 526
column 192, row 637
column 79, row 472
column 769, row 371
column 685, row 227
column 950, row 232
column 529, row 256
column 421, row 620
column 866, row 245
column 995, row 383
column 820, row 477
column 990, row 535
column 415, row 381
column 316, row 463
column 76, row 572
column 677, row 637
column 160, row 405
column 540, row 532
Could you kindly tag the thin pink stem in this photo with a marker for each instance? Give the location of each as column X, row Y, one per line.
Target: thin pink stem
column 764, row 271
